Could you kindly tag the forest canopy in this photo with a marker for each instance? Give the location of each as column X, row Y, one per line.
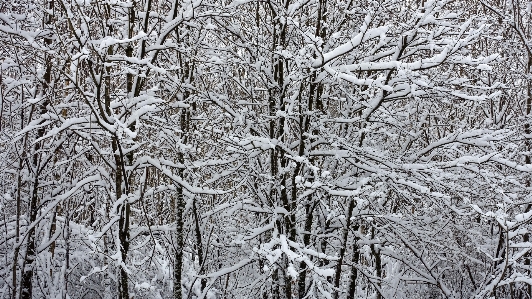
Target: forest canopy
column 216, row 149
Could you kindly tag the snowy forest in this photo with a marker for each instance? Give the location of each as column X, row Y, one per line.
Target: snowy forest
column 273, row 149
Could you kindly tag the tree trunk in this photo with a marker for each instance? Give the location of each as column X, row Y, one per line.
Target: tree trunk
column 338, row 272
